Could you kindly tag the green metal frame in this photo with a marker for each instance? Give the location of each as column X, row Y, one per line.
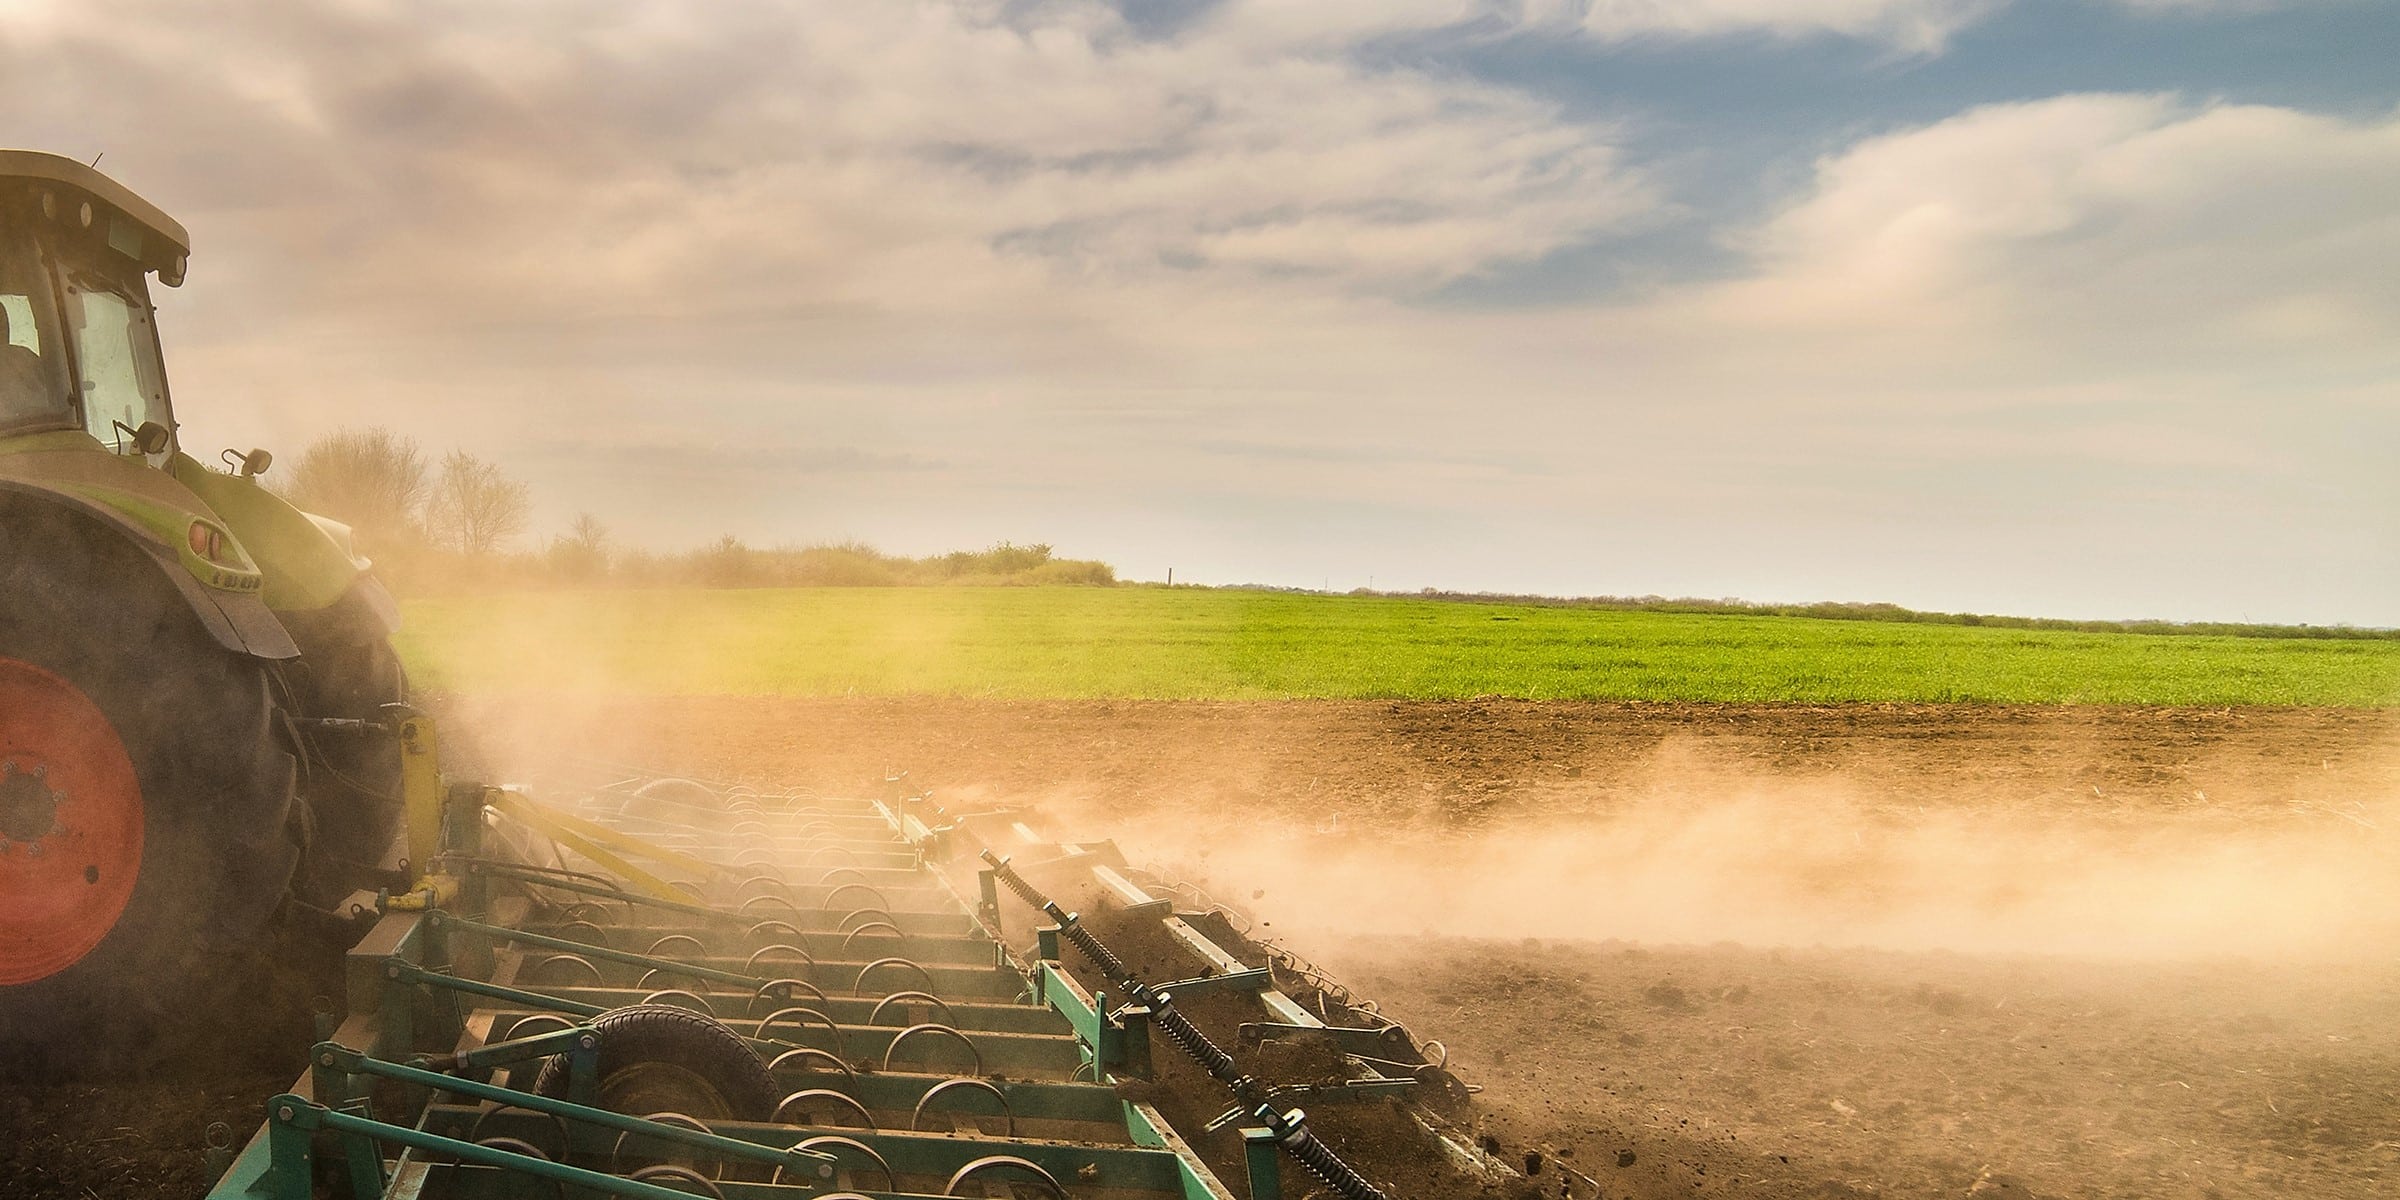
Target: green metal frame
column 1372, row 1052
column 449, row 971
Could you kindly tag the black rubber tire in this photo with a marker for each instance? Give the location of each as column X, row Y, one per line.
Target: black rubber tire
column 351, row 780
column 211, row 749
column 663, row 1033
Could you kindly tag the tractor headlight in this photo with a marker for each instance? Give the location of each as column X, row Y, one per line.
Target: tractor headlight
column 211, row 544
column 211, row 554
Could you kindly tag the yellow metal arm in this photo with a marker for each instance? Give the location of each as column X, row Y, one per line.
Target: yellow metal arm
column 600, row 844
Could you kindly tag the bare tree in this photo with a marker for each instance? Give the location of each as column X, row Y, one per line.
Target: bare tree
column 588, row 534
column 474, row 509
column 373, row 479
column 580, row 555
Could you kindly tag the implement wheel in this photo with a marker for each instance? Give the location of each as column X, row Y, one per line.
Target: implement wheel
column 656, row 1057
column 146, row 797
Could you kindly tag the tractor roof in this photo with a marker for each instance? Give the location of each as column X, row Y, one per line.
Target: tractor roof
column 162, row 245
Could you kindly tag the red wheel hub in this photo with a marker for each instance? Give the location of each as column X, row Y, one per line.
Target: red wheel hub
column 70, row 824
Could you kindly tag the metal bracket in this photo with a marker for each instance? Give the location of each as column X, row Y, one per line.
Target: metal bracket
column 1381, row 1043
column 1251, row 980
column 1266, row 1166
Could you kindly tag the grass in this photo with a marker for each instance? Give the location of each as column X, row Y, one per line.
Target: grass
column 1202, row 644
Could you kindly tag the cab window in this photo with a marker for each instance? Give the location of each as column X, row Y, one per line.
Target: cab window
column 33, row 376
column 116, row 356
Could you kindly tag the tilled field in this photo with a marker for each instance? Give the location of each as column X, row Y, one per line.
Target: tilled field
column 1705, row 950
column 1773, row 951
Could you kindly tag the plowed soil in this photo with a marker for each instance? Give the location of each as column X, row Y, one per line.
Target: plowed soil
column 1685, row 950
column 1756, row 951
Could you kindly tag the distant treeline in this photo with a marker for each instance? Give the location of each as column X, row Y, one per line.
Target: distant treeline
column 589, row 562
column 1834, row 611
column 455, row 525
column 731, row 564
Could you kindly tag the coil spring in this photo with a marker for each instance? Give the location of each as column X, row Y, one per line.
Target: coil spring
column 1014, row 882
column 1187, row 1036
column 1067, row 923
column 1322, row 1162
column 1319, row 1158
column 1092, row 947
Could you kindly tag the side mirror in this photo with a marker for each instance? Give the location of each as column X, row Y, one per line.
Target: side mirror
column 152, row 438
column 248, row 466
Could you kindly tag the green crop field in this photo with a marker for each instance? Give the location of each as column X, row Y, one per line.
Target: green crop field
column 1196, row 644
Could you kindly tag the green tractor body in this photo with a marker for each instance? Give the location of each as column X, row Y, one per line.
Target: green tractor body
column 171, row 636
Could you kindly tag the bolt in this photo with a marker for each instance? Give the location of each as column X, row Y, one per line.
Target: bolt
column 285, row 1114
column 325, row 1059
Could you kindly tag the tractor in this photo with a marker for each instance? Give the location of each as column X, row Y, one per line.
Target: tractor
column 187, row 660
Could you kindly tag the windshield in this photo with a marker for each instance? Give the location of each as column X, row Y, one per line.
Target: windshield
column 33, row 366
column 116, row 358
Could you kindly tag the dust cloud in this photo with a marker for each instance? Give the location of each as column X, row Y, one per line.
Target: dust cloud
column 1779, row 863
column 2184, row 854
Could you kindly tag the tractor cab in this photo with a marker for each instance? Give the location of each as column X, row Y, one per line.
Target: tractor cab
column 78, row 345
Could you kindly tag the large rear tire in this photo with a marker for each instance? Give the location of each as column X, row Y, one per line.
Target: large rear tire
column 130, row 741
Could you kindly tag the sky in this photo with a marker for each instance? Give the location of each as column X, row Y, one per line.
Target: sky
column 2083, row 308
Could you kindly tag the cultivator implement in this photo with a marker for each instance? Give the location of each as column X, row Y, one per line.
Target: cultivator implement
column 1289, row 1129
column 663, row 989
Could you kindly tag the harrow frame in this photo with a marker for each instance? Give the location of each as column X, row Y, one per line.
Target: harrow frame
column 835, row 937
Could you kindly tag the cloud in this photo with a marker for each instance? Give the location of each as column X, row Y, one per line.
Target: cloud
column 2131, row 227
column 1915, row 26
column 2217, row 7
column 1912, row 27
column 879, row 194
column 1918, row 26
column 859, row 139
